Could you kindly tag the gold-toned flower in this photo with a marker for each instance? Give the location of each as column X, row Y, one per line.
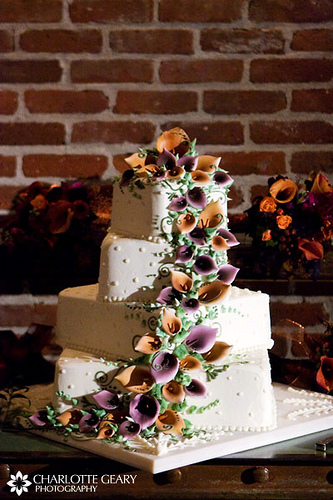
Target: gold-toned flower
column 186, row 222
column 283, row 190
column 321, row 185
column 267, row 204
column 283, row 221
column 219, row 351
column 212, row 293
column 173, row 392
column 267, row 235
column 170, row 322
column 72, row 416
column 311, row 249
column 105, row 432
column 176, row 172
column 148, row 343
column 136, row 379
column 200, row 178
column 181, row 281
column 219, row 244
column 170, row 422
column 190, row 364
column 212, row 215
column 207, row 163
column 173, row 139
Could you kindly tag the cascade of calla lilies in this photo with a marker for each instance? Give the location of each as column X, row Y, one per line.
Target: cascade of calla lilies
column 184, row 342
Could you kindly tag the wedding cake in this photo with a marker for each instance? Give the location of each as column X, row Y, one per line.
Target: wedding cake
column 164, row 344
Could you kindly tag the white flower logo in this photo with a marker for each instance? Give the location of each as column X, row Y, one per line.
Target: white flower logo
column 19, row 483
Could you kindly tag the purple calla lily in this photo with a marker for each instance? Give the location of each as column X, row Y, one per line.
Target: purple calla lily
column 204, row 265
column 39, row 418
column 129, row 429
column 222, row 178
column 184, row 254
column 228, row 236
column 195, row 389
column 108, row 400
column 178, row 204
column 201, row 338
column 167, row 296
column 190, row 305
column 196, row 197
column 198, row 235
column 88, row 422
column 164, row 367
column 188, row 162
column 227, row 273
column 144, row 410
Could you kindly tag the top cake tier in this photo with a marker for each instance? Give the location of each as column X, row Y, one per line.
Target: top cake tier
column 144, row 214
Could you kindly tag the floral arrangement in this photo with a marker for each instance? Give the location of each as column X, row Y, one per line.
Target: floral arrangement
column 292, row 227
column 157, row 383
column 48, row 232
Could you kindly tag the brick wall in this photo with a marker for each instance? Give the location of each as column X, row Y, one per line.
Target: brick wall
column 84, row 82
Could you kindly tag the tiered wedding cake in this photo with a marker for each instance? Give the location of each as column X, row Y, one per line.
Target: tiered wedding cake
column 187, row 352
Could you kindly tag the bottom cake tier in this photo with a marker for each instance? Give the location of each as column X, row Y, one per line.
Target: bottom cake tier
column 240, row 397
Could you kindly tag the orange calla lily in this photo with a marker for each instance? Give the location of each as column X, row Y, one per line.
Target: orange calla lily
column 219, row 351
column 219, row 243
column 190, row 364
column 170, row 422
column 186, row 222
column 311, row 249
column 148, row 344
column 173, row 392
column 213, row 293
column 181, row 281
column 212, row 215
column 136, row 379
column 200, row 178
column 321, row 185
column 170, row 322
column 283, row 190
column 207, row 163
column 71, row 416
column 171, row 139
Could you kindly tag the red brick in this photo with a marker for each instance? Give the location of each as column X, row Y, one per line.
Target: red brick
column 32, row 11
column 291, row 70
column 231, row 102
column 290, row 11
column 189, row 11
column 242, row 41
column 31, row 133
column 101, row 11
column 6, row 41
column 112, row 71
column 201, row 70
column 156, row 102
column 305, row 313
column 7, row 166
column 237, row 197
column 61, row 41
column 152, row 41
column 7, row 194
column 65, row 101
column 313, row 40
column 295, row 132
column 212, row 133
column 71, row 166
column 258, row 190
column 253, row 162
column 303, row 162
column 8, row 102
column 29, row 71
column 313, row 100
column 113, row 132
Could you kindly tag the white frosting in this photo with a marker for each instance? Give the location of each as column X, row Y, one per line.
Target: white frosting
column 132, row 269
column 108, row 328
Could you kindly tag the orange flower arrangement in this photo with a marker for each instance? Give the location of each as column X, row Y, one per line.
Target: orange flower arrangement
column 292, row 226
